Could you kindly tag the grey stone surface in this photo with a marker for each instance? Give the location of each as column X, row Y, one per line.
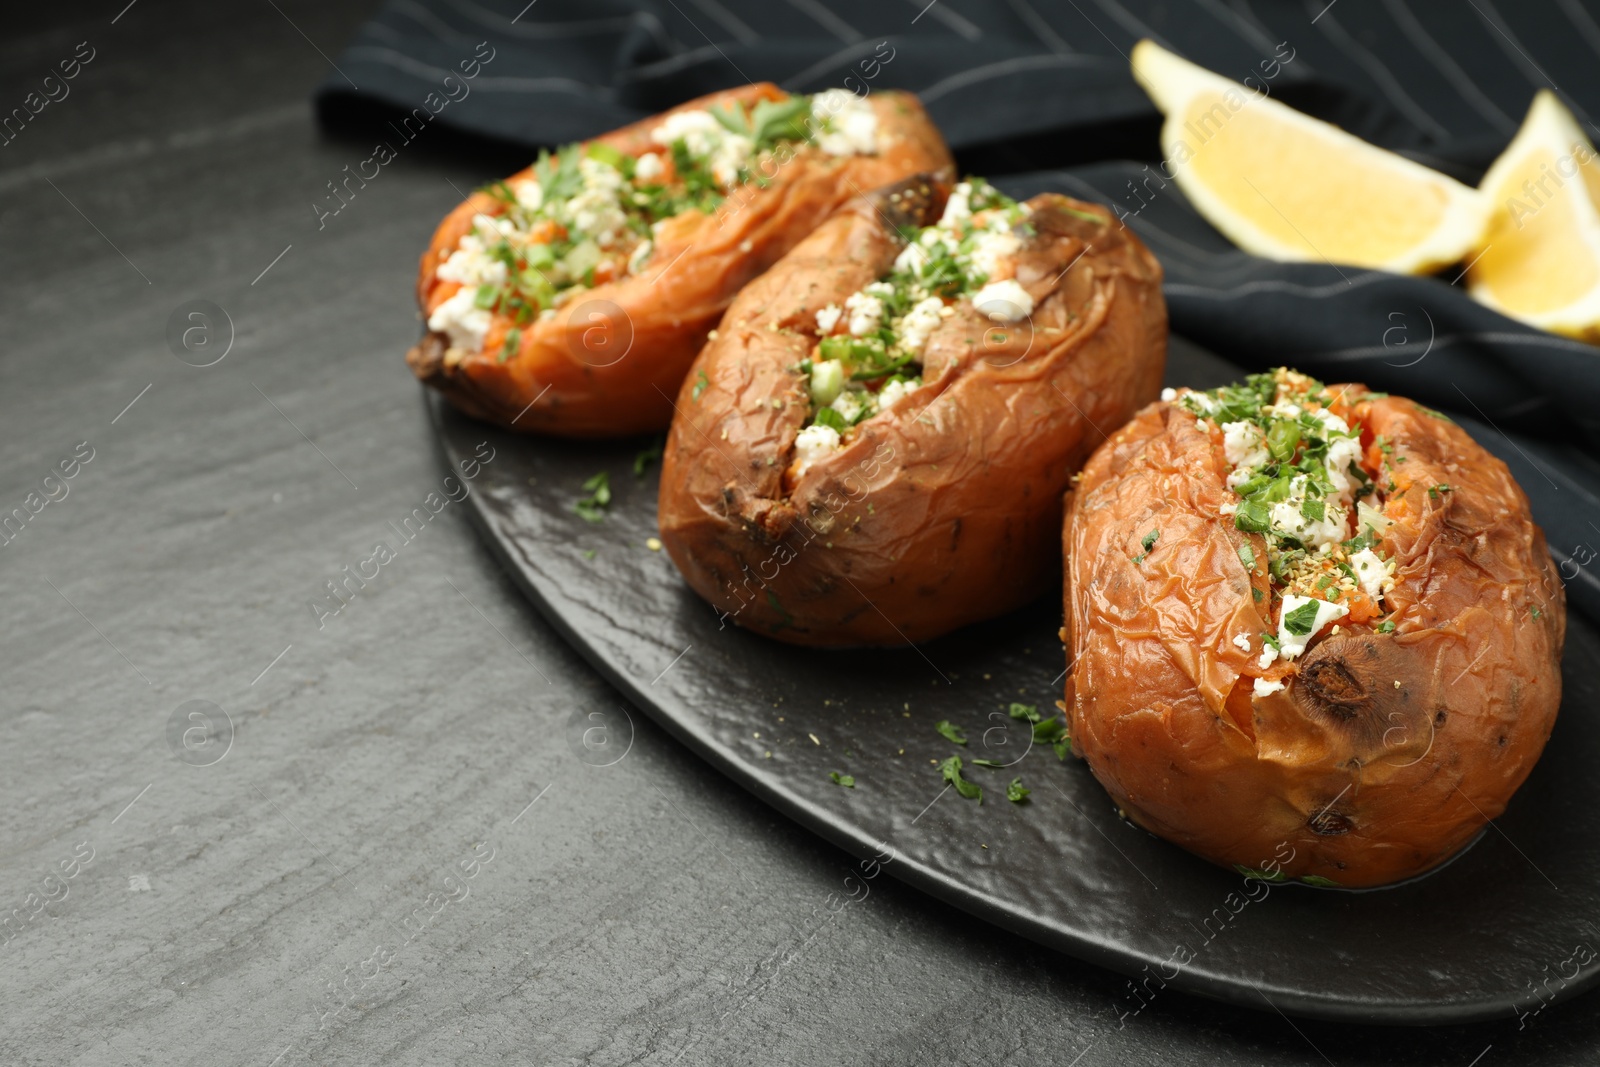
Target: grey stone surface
column 368, row 823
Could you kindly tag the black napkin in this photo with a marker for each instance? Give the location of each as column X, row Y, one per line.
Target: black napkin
column 1024, row 85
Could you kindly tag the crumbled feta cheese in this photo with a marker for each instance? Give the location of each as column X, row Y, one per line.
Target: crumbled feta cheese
column 1264, row 688
column 918, row 323
column 529, row 194
column 1374, row 574
column 912, row 258
column 1169, row 395
column 814, row 443
column 707, row 139
column 1268, row 655
column 1244, row 444
column 957, row 209
column 828, row 318
column 1004, row 301
column 866, row 313
column 848, row 125
column 596, row 211
column 648, row 167
column 469, row 266
column 849, row 404
column 462, row 321
column 1241, row 642
column 1294, row 644
column 697, row 128
column 892, row 393
column 992, row 247
column 1288, row 518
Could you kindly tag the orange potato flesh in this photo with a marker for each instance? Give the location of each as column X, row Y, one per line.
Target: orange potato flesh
column 1386, row 752
column 610, row 360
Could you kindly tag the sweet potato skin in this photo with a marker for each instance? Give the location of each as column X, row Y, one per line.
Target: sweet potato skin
column 610, row 360
column 945, row 510
column 1385, row 753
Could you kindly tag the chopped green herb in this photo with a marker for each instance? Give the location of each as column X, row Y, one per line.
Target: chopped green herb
column 1319, row 881
column 642, row 461
column 1265, row 876
column 1149, row 539
column 831, row 417
column 950, row 732
column 951, row 770
column 1258, row 594
column 1252, row 516
column 1063, row 747
column 846, row 780
column 1432, row 414
column 989, row 763
column 1049, row 731
column 1247, row 556
column 1386, row 626
column 592, row 507
column 1016, row 792
column 588, row 553
column 1074, row 212
column 1282, row 439
column 1300, row 621
column 1537, row 614
column 1025, row 711
column 1435, row 490
column 513, row 342
column 777, row 605
column 700, row 383
column 1313, row 510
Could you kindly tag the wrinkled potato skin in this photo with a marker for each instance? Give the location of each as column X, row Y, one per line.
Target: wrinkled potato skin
column 571, row 368
column 1386, row 753
column 922, row 523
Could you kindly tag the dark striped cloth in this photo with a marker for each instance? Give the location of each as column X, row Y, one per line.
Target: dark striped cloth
column 1042, row 86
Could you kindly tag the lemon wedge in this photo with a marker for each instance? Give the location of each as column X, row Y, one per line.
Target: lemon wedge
column 1284, row 185
column 1541, row 256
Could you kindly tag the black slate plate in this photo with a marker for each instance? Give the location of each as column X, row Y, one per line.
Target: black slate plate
column 1499, row 931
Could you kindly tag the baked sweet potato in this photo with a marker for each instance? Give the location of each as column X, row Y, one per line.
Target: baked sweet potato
column 1314, row 632
column 873, row 448
column 570, row 298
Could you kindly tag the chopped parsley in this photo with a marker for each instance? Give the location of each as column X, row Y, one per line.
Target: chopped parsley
column 700, row 383
column 1319, row 881
column 950, row 732
column 1261, row 875
column 1146, row 542
column 846, row 780
column 592, row 508
column 642, row 461
column 950, row 769
column 1016, row 792
column 1435, row 490
column 513, row 342
column 1025, row 711
column 1386, row 626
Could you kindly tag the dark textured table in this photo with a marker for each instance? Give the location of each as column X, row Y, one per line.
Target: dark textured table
column 371, row 839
